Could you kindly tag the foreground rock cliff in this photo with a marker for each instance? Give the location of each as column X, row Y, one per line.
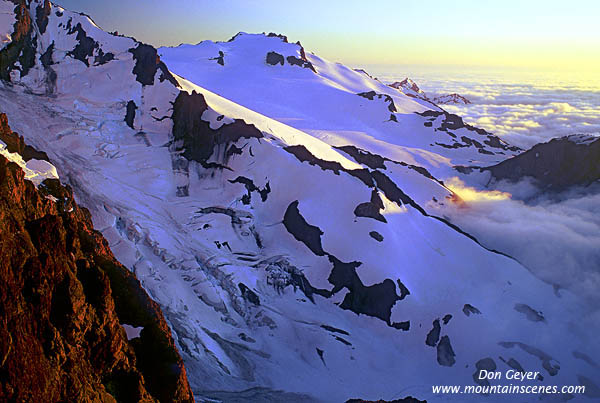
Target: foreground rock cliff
column 64, row 301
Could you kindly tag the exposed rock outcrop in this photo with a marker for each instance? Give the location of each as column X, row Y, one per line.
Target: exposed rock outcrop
column 410, row 88
column 555, row 165
column 19, row 54
column 15, row 143
column 66, row 303
column 451, row 99
column 147, row 63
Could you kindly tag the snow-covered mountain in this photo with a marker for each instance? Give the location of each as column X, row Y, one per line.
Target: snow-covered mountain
column 451, row 99
column 411, row 89
column 279, row 207
column 556, row 165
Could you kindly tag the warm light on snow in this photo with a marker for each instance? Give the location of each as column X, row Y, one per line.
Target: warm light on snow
column 35, row 171
column 465, row 194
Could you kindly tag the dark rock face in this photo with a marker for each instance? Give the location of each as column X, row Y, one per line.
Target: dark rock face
column 375, row 161
column 393, row 192
column 530, row 313
column 103, row 58
column 403, row 290
column 197, row 140
column 248, row 294
column 304, row 155
column 220, row 59
column 251, row 187
column 408, row 84
column 294, row 277
column 47, row 61
column 376, row 300
column 42, row 12
column 371, row 209
column 514, row 364
column 445, row 353
column 296, row 225
column 453, row 98
column 469, row 309
column 548, row 363
column 147, row 63
column 452, row 122
column 274, row 58
column 405, row 326
column 130, row 114
column 376, row 236
column 280, row 36
column 295, row 61
column 486, row 364
column 434, row 334
column 22, row 49
column 335, row 330
column 555, row 165
column 372, row 94
column 85, row 47
column 64, row 300
column 46, row 57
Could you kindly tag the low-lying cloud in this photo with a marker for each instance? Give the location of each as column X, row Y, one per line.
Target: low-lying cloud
column 523, row 109
column 558, row 239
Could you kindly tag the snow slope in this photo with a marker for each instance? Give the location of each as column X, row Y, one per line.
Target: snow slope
column 7, row 20
column 333, row 102
column 282, row 262
column 36, row 171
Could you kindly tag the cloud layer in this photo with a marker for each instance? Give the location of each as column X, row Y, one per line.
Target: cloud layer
column 558, row 239
column 524, row 109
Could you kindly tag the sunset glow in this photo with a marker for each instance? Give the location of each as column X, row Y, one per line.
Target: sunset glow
column 548, row 35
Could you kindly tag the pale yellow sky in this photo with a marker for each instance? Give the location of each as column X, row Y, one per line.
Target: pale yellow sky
column 552, row 35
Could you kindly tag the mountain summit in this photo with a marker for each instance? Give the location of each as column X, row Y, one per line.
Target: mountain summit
column 408, row 86
column 411, row 89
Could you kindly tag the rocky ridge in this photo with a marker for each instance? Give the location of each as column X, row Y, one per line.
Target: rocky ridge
column 76, row 325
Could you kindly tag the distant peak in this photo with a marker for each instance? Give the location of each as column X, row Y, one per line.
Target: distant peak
column 407, row 84
column 283, row 38
column 451, row 99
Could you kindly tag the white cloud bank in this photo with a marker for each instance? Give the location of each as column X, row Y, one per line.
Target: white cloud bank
column 524, row 109
column 557, row 239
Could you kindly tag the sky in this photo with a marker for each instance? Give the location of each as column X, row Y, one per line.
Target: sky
column 548, row 35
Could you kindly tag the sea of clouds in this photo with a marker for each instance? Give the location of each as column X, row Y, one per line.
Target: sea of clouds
column 524, row 108
column 556, row 236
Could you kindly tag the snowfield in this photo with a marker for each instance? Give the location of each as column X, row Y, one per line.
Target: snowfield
column 281, row 210
column 36, row 171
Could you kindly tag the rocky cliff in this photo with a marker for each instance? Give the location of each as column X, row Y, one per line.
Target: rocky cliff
column 556, row 165
column 75, row 324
